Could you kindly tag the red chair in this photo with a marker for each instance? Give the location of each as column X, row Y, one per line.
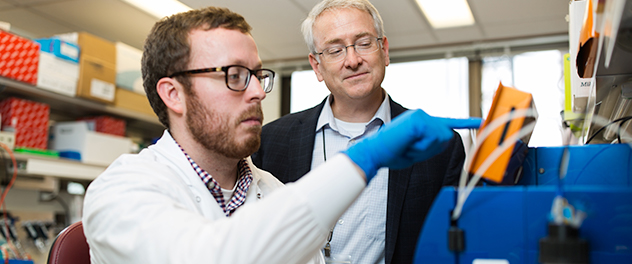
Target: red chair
column 70, row 247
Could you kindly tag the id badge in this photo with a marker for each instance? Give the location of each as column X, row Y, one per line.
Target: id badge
column 338, row 259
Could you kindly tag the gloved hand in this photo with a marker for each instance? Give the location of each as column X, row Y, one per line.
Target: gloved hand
column 411, row 137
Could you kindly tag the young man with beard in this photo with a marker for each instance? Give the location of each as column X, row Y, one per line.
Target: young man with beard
column 195, row 196
column 349, row 52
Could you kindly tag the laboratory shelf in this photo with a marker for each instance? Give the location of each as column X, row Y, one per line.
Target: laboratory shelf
column 65, row 108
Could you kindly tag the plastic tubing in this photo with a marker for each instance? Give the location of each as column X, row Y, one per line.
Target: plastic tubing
column 509, row 142
column 463, row 191
column 500, row 121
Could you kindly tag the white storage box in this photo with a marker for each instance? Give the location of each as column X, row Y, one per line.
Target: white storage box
column 92, row 147
column 57, row 74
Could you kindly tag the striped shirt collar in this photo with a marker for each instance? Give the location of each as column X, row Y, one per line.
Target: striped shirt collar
column 243, row 184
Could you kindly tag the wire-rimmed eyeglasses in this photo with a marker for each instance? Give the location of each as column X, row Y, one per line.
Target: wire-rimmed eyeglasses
column 238, row 77
column 363, row 46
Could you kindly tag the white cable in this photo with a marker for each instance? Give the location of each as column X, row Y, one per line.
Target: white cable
column 507, row 143
column 485, row 132
column 463, row 193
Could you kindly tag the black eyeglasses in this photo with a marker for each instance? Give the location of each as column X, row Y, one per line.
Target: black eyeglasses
column 238, row 77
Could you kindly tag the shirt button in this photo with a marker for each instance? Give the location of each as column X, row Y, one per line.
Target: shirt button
column 341, row 221
column 198, row 199
column 258, row 195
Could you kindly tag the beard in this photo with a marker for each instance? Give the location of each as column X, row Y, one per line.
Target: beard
column 217, row 133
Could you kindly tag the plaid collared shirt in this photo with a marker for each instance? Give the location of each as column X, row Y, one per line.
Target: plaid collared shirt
column 243, row 183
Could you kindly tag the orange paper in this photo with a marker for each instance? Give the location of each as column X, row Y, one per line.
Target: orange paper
column 506, row 99
column 587, row 52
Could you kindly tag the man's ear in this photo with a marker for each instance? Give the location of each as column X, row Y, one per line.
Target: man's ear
column 315, row 64
column 171, row 93
column 385, row 49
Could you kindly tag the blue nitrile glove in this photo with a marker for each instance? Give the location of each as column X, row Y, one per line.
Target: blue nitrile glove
column 411, row 137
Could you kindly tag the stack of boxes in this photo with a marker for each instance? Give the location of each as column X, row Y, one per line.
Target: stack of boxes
column 77, row 65
column 96, row 66
column 130, row 93
column 58, row 69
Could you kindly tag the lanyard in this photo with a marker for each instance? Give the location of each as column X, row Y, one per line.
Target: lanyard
column 331, row 231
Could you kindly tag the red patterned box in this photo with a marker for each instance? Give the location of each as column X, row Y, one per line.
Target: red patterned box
column 19, row 58
column 106, row 124
column 29, row 121
column 31, row 138
column 18, row 112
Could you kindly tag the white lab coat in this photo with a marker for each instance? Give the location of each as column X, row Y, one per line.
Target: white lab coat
column 152, row 207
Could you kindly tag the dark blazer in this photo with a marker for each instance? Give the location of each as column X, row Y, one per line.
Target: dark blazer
column 286, row 151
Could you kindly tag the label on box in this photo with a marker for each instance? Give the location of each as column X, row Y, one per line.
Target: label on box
column 584, row 87
column 59, row 84
column 101, row 89
column 5, row 25
column 61, row 49
column 8, row 139
column 68, row 50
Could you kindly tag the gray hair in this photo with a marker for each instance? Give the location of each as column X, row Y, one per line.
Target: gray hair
column 364, row 5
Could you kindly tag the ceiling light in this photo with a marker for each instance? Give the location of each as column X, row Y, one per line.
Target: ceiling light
column 159, row 8
column 447, row 13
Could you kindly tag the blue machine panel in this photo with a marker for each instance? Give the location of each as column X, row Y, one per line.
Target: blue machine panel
column 594, row 164
column 508, row 222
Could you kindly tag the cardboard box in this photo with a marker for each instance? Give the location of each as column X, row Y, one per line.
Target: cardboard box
column 92, row 46
column 97, row 66
column 89, row 146
column 129, row 100
column 128, row 75
column 57, row 75
column 18, row 58
column 96, row 80
column 106, row 124
column 28, row 120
